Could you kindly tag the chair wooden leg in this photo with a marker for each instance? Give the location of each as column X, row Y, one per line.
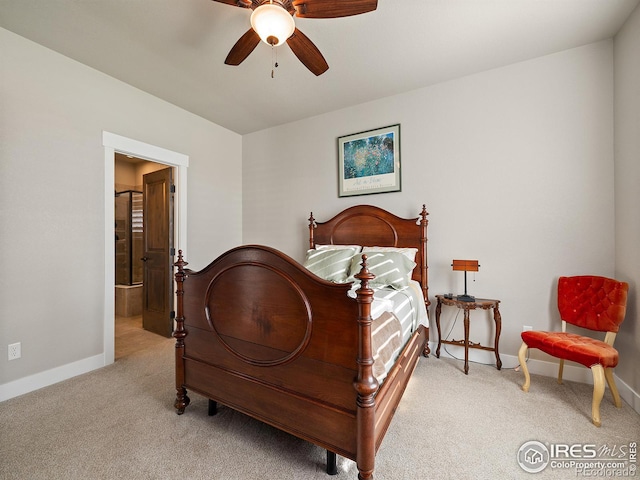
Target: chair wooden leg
column 598, row 393
column 608, row 374
column 522, row 358
column 560, row 369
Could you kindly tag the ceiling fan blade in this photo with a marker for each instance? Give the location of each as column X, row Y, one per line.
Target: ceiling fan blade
column 236, row 3
column 333, row 8
column 243, row 47
column 307, row 52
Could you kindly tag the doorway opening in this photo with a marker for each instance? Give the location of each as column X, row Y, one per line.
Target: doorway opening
column 118, row 145
column 132, row 313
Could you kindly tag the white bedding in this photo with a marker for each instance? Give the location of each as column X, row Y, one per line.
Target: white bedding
column 408, row 307
column 398, row 307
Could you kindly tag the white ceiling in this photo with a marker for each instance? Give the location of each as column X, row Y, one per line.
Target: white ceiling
column 175, row 49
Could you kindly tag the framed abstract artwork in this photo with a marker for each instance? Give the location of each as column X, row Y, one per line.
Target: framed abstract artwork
column 369, row 162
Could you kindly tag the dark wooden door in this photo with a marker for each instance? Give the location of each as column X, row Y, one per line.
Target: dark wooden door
column 157, row 285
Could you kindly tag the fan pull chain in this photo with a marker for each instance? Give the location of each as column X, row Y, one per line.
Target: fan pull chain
column 275, row 64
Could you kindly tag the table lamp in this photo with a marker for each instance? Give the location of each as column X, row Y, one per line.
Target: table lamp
column 465, row 266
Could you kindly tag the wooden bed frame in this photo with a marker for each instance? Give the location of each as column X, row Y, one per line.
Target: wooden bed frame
column 259, row 333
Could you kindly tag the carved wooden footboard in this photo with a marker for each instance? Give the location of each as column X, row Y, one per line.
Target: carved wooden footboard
column 258, row 332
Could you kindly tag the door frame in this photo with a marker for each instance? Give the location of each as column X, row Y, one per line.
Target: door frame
column 113, row 143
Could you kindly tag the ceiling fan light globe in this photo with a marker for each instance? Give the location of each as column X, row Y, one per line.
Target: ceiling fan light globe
column 273, row 24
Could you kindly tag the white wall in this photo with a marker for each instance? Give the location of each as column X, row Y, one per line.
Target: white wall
column 627, row 181
column 53, row 112
column 515, row 166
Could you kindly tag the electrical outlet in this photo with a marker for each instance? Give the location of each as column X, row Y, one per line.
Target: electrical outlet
column 526, row 328
column 15, row 351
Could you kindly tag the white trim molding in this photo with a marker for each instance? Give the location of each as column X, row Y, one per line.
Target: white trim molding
column 116, row 143
column 49, row 377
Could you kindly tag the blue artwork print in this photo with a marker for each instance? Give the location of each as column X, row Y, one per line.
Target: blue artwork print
column 369, row 156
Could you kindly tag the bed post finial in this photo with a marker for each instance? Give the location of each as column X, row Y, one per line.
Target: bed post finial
column 182, row 400
column 423, row 244
column 424, row 274
column 366, row 384
column 312, row 225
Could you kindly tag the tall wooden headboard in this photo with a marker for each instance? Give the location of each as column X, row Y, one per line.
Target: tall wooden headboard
column 367, row 225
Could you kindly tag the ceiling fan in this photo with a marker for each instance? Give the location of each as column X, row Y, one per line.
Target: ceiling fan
column 272, row 22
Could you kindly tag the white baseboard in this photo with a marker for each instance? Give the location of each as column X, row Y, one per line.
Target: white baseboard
column 571, row 372
column 49, row 377
column 628, row 394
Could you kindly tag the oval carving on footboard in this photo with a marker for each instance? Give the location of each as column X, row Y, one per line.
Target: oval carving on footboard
column 270, row 324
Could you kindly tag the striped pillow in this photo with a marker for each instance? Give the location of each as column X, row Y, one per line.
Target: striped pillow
column 332, row 265
column 392, row 269
column 408, row 251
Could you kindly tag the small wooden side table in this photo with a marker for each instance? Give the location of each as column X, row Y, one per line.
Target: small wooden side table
column 484, row 304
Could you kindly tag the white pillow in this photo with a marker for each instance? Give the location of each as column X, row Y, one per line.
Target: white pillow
column 356, row 248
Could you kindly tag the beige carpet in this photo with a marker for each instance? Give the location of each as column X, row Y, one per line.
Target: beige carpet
column 119, row 423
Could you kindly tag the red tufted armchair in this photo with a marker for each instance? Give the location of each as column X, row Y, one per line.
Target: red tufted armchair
column 595, row 303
